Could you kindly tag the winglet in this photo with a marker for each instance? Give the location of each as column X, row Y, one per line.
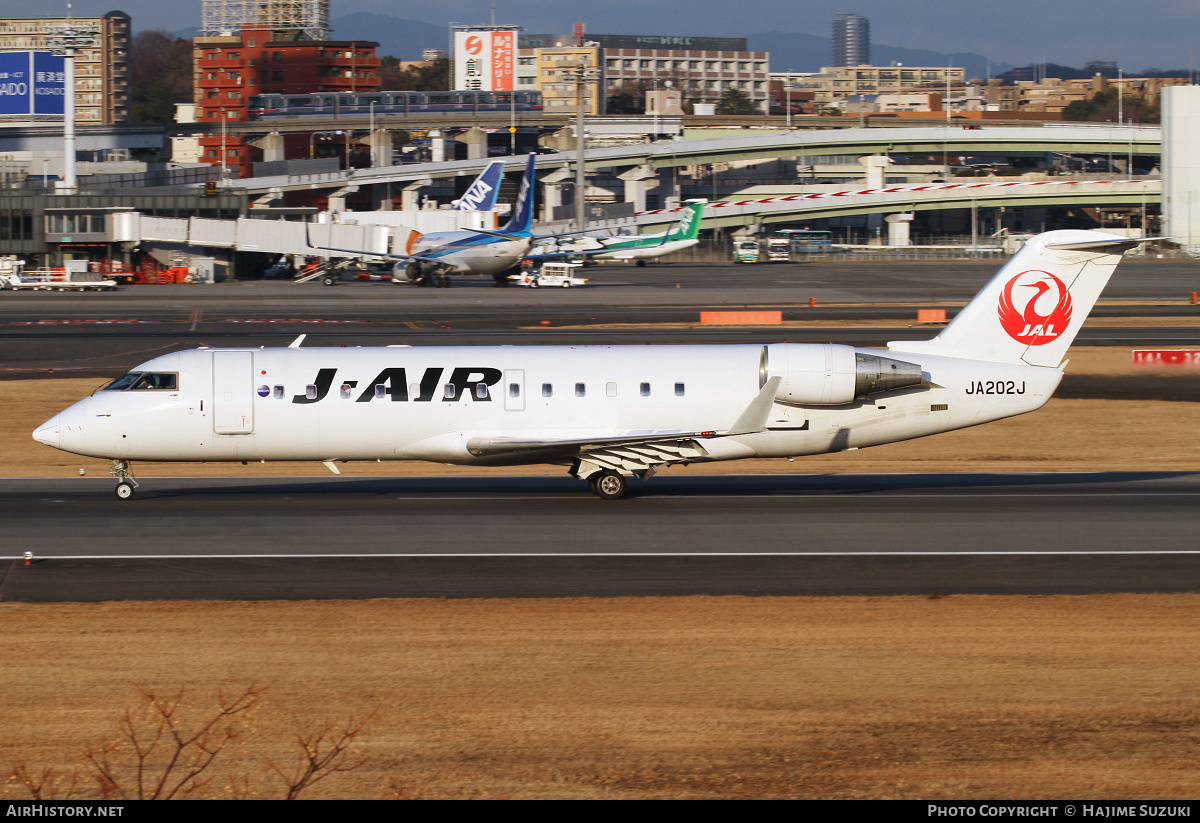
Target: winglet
column 754, row 418
column 295, row 344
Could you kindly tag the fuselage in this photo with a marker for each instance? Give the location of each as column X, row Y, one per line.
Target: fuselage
column 429, row 403
column 469, row 252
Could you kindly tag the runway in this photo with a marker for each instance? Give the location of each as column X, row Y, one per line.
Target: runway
column 184, row 538
column 107, row 333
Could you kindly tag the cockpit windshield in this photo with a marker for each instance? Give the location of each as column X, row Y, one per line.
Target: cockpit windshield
column 136, row 381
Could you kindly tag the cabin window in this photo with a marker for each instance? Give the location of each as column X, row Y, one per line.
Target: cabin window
column 679, row 390
column 277, row 392
column 547, row 390
column 448, row 391
column 144, row 381
column 580, row 390
column 514, row 389
column 481, row 391
column 310, row 392
column 345, row 391
column 611, row 389
column 123, row 382
column 645, row 390
column 380, row 391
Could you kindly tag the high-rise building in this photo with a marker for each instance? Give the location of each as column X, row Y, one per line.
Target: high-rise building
column 101, row 70
column 851, row 40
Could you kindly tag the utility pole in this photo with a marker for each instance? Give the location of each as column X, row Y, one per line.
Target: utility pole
column 67, row 40
column 583, row 75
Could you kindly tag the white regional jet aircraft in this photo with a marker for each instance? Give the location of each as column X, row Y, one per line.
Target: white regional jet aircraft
column 604, row 412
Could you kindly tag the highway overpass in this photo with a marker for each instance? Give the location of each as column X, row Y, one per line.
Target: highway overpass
column 1011, row 141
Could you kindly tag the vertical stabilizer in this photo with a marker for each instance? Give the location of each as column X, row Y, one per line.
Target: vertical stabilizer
column 689, row 224
column 522, row 214
column 1032, row 310
column 481, row 195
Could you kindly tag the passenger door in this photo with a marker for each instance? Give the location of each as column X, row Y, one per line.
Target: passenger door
column 233, row 392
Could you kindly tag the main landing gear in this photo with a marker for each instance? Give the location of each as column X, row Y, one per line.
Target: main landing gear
column 125, row 482
column 608, row 485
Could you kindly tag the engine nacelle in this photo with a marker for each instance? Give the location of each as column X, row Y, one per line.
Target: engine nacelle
column 824, row 374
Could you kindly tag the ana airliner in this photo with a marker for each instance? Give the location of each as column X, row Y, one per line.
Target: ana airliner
column 430, row 259
column 605, row 413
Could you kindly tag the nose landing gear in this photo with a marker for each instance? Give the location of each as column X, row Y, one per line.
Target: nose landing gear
column 125, row 482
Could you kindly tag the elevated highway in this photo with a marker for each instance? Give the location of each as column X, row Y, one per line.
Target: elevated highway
column 1010, row 141
column 893, row 199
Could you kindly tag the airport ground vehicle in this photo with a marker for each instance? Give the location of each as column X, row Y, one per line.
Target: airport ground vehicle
column 14, row 276
column 806, row 241
column 747, row 251
column 604, row 413
column 391, row 103
column 778, row 249
column 550, row 275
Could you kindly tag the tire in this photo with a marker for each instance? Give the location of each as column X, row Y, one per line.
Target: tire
column 641, row 263
column 329, row 281
column 610, row 485
column 124, row 490
column 566, row 284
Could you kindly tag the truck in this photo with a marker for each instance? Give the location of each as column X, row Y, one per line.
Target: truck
column 14, row 277
column 746, row 251
column 779, row 249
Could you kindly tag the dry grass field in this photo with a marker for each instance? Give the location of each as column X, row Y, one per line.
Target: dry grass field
column 949, row 697
column 954, row 697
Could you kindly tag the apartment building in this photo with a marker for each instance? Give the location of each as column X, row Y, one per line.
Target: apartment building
column 229, row 70
column 833, row 84
column 101, row 71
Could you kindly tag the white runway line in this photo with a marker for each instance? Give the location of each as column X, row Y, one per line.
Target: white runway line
column 575, row 555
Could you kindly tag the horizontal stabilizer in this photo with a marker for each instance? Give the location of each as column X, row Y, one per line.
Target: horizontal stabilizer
column 1110, row 245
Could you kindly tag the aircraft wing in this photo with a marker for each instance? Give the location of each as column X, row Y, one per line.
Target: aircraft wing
column 753, row 419
column 575, row 447
column 362, row 253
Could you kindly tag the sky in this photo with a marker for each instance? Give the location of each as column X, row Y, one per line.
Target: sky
column 1149, row 33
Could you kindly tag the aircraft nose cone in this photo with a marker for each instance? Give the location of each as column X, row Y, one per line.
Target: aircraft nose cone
column 48, row 433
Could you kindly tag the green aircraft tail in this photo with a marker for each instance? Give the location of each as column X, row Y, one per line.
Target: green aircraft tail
column 689, row 224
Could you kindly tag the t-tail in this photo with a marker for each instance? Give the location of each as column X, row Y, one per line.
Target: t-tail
column 522, row 215
column 689, row 224
column 1032, row 309
column 481, row 194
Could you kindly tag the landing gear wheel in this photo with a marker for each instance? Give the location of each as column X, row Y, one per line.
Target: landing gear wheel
column 610, row 485
column 442, row 281
column 641, row 263
column 500, row 279
column 124, row 490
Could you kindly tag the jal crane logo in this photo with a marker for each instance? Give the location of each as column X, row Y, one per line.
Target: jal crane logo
column 1035, row 308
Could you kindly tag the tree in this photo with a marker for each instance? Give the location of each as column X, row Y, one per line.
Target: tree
column 160, row 75
column 167, row 748
column 735, row 101
column 435, row 77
